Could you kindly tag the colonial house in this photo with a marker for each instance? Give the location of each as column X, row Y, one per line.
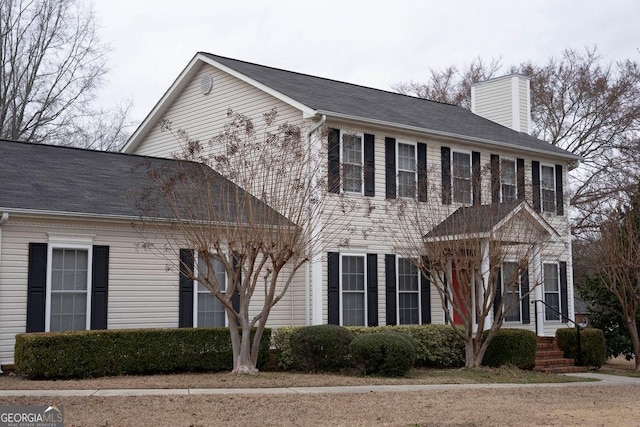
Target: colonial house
column 375, row 147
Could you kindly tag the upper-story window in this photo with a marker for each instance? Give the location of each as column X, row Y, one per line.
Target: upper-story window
column 352, row 154
column 507, row 180
column 548, row 188
column 461, row 176
column 407, row 176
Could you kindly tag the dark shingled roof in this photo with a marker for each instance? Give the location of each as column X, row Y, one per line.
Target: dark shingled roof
column 473, row 219
column 39, row 177
column 331, row 96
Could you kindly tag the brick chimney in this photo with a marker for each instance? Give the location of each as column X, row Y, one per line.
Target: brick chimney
column 505, row 100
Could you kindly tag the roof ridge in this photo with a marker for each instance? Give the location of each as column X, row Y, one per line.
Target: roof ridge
column 330, row 80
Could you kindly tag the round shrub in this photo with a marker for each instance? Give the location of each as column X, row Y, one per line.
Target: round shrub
column 321, row 348
column 592, row 345
column 390, row 354
column 512, row 347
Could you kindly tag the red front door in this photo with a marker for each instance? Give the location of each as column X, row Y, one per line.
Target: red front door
column 458, row 298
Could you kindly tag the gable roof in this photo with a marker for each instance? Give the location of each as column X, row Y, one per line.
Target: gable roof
column 39, row 178
column 319, row 96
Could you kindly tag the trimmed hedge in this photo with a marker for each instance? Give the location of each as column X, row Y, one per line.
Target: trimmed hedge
column 592, row 344
column 511, row 347
column 281, row 341
column 85, row 354
column 321, row 348
column 388, row 354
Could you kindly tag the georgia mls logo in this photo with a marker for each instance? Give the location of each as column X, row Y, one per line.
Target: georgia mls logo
column 31, row 416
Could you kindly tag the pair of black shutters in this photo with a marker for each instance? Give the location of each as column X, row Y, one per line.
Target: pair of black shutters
column 369, row 166
column 333, row 291
column 37, row 287
column 186, row 289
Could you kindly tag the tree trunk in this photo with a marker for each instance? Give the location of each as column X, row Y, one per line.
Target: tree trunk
column 635, row 340
column 473, row 359
column 243, row 362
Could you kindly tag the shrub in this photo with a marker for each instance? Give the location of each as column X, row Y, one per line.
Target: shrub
column 86, row 354
column 389, row 354
column 321, row 348
column 592, row 345
column 512, row 347
column 281, row 341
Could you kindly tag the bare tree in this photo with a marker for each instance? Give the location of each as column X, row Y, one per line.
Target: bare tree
column 259, row 242
column 616, row 256
column 579, row 102
column 51, row 65
column 477, row 258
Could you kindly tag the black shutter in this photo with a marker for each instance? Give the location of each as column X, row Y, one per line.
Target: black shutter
column 99, row 287
column 520, row 178
column 185, row 300
column 422, row 172
column 369, row 165
column 535, row 183
column 333, row 291
column 445, row 153
column 495, row 178
column 425, row 295
column 36, row 287
column 559, row 192
column 476, row 178
column 390, row 286
column 372, row 290
column 564, row 299
column 235, row 302
column 390, row 167
column 497, row 298
column 333, row 180
column 524, row 288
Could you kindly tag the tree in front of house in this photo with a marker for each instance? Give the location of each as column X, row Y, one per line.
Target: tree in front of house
column 244, row 209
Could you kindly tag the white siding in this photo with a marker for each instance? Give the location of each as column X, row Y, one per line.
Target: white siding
column 493, row 100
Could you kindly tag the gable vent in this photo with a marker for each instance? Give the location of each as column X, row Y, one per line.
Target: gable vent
column 206, row 83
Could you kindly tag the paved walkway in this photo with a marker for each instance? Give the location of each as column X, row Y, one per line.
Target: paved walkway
column 604, row 380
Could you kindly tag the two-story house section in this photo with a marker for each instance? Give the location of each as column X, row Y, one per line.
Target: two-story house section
column 377, row 147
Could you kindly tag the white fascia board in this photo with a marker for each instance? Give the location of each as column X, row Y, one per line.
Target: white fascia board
column 88, row 215
column 535, row 216
column 448, row 135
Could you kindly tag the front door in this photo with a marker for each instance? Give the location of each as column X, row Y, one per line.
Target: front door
column 458, row 296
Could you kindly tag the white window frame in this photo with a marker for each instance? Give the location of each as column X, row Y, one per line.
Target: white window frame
column 558, row 292
column 553, row 174
column 504, row 290
column 360, row 135
column 515, row 178
column 415, row 168
column 453, row 186
column 364, row 292
column 72, row 245
column 398, row 293
column 196, row 292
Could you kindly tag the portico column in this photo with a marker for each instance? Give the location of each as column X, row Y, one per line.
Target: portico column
column 537, row 292
column 486, row 269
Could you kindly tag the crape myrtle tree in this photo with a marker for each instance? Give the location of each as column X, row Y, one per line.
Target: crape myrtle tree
column 52, row 64
column 260, row 223
column 580, row 102
column 478, row 258
column 616, row 256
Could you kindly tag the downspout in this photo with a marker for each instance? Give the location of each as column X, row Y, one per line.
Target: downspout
column 307, row 266
column 3, row 220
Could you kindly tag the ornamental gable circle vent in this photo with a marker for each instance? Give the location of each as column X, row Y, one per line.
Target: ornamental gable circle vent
column 206, row 83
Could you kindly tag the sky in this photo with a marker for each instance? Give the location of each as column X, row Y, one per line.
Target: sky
column 372, row 43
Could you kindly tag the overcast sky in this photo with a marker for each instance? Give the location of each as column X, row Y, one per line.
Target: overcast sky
column 372, row 43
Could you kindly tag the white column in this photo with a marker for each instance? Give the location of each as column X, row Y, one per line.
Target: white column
column 537, row 292
column 316, row 286
column 486, row 269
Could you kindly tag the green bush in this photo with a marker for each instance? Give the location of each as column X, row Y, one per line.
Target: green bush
column 389, row 354
column 592, row 344
column 86, row 354
column 437, row 346
column 321, row 348
column 281, row 341
column 511, row 347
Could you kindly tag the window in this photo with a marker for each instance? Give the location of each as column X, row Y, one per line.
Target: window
column 507, row 180
column 406, row 170
column 551, row 285
column 511, row 290
column 461, row 174
column 352, row 162
column 408, row 293
column 548, row 188
column 69, row 289
column 353, row 301
column 209, row 312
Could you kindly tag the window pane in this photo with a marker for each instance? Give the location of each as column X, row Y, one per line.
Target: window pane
column 353, row 273
column 406, row 184
column 210, row 311
column 550, row 277
column 352, row 149
column 68, row 311
column 461, row 165
column 547, row 180
column 553, row 301
column 408, row 303
column 219, row 274
column 353, row 309
column 406, row 157
column 548, row 200
column 352, row 178
column 508, row 172
column 462, row 190
column 407, row 275
column 511, row 299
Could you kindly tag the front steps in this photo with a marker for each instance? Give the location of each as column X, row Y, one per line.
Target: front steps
column 549, row 358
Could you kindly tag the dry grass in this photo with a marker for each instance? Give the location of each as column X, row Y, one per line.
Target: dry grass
column 287, row 379
column 620, row 366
